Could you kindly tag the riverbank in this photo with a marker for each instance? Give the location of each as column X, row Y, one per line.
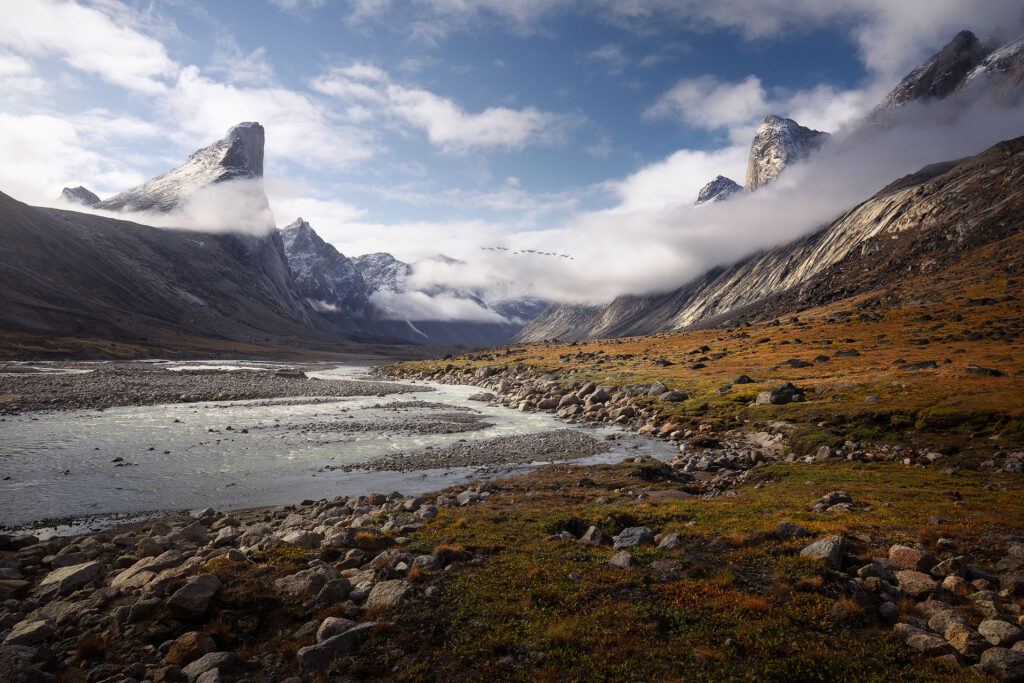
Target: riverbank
column 573, row 572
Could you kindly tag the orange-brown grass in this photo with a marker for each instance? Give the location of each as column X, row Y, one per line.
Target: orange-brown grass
column 755, row 603
column 460, row 523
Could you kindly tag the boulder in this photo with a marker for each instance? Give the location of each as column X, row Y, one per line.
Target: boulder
column 315, row 659
column 924, row 642
column 332, row 626
column 191, row 600
column 593, row 536
column 69, row 579
column 189, row 647
column 622, row 559
column 28, row 633
column 387, row 594
column 787, row 530
column 954, row 566
column 1003, row 664
column 916, row 584
column 1000, row 633
column 828, row 550
column 906, row 557
column 220, row 661
column 670, row 542
column 145, row 569
column 634, row 536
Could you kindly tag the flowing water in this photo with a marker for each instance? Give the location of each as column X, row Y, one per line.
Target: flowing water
column 232, row 454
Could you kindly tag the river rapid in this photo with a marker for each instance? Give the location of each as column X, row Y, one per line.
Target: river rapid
column 67, row 470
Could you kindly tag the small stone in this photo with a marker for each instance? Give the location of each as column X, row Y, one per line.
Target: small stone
column 622, row 559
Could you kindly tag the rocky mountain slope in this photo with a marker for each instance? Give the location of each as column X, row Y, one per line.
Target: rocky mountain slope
column 65, row 273
column 719, row 189
column 778, row 143
column 940, row 207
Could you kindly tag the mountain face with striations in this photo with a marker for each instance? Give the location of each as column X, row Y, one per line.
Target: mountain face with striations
column 236, row 156
column 79, row 195
column 718, row 190
column 778, row 143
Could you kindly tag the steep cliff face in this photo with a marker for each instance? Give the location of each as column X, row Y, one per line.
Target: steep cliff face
column 935, row 201
column 718, row 190
column 778, row 143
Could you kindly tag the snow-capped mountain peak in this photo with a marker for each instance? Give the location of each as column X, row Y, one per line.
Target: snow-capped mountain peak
column 718, row 190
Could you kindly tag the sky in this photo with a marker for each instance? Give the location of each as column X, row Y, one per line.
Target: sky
column 425, row 126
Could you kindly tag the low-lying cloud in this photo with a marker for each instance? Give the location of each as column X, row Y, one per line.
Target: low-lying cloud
column 422, row 306
column 656, row 240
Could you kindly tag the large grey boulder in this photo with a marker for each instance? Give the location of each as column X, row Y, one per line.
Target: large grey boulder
column 387, row 594
column 69, row 579
column 221, row 661
column 192, row 600
column 633, row 536
column 145, row 569
column 828, row 550
column 315, row 659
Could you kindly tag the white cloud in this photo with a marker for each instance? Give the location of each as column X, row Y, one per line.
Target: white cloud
column 299, row 128
column 611, row 57
column 706, row 102
column 18, row 77
column 299, row 5
column 445, row 123
column 237, row 66
column 88, row 40
column 51, row 154
column 421, row 306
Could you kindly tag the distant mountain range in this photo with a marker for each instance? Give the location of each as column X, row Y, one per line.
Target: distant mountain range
column 69, row 273
column 730, row 291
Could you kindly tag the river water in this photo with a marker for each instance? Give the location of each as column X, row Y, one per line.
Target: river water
column 184, row 456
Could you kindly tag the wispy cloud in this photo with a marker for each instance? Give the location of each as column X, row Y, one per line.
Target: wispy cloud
column 446, row 124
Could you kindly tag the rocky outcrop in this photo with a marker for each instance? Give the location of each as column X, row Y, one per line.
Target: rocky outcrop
column 719, row 189
column 963, row 63
column 237, row 156
column 778, row 143
column 79, row 195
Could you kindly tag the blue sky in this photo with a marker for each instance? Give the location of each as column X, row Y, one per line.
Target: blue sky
column 424, row 125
